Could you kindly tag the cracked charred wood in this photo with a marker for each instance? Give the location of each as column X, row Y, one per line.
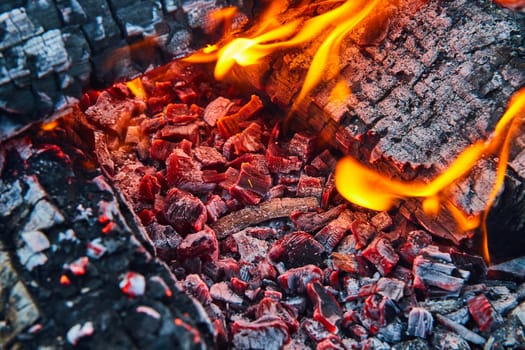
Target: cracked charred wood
column 433, row 84
column 50, row 51
column 75, row 266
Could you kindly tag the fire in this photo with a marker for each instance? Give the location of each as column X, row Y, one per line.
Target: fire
column 376, row 191
column 136, row 88
column 326, row 30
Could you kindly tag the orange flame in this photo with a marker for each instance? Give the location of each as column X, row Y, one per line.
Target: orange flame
column 136, row 88
column 370, row 189
column 271, row 35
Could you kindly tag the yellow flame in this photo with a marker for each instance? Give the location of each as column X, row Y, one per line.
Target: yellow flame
column 271, row 35
column 340, row 92
column 136, row 88
column 373, row 190
column 49, row 125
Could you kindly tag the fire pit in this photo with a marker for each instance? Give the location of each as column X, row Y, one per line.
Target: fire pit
column 182, row 210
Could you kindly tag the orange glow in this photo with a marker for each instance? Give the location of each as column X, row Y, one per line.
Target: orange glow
column 513, row 4
column 136, row 88
column 340, row 92
column 373, row 190
column 49, row 125
column 326, row 30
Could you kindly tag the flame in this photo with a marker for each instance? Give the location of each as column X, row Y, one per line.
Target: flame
column 136, row 88
column 272, row 34
column 376, row 191
column 49, row 125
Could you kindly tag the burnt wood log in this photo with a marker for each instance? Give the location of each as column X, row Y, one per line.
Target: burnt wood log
column 438, row 81
column 50, row 51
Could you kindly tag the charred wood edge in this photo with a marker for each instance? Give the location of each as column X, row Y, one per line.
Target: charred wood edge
column 51, row 51
column 271, row 209
column 32, row 306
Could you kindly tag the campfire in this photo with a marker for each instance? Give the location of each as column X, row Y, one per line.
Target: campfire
column 321, row 174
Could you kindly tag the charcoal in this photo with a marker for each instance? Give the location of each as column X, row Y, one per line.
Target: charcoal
column 223, row 293
column 309, row 186
column 358, row 332
column 346, row 262
column 303, row 145
column 161, row 149
column 333, row 342
column 420, row 323
column 363, row 232
column 180, row 168
column 279, row 162
column 462, row 331
column 416, row 240
column 202, row 245
column 78, row 331
column 271, row 307
column 502, row 299
column 347, row 245
column 184, row 211
column 176, row 133
column 313, row 221
column 374, row 343
column 113, row 113
column 248, row 140
column 508, row 269
column 474, row 264
column 381, row 221
column 460, row 316
column 447, row 340
column 133, row 284
column 250, row 248
column 296, row 249
column 209, row 157
column 379, row 311
column 314, row 329
column 324, row 162
column 392, row 332
column 326, row 308
column 152, row 125
column 216, row 109
column 215, row 207
column 249, row 109
column 380, row 253
column 149, row 187
column 390, row 287
column 267, row 332
column 252, row 179
column 483, row 313
column 332, row 233
column 295, row 280
column 185, row 93
column 433, row 269
column 194, row 285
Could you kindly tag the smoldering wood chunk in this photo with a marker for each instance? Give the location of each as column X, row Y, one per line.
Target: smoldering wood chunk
column 420, row 322
column 296, row 279
column 472, row 263
column 271, row 209
column 483, row 313
column 415, row 241
column 296, row 249
column 509, row 269
column 267, row 332
column 332, row 233
column 113, row 113
column 327, row 310
column 381, row 253
column 435, row 273
column 272, row 307
column 313, row 221
column 185, row 212
column 449, row 340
